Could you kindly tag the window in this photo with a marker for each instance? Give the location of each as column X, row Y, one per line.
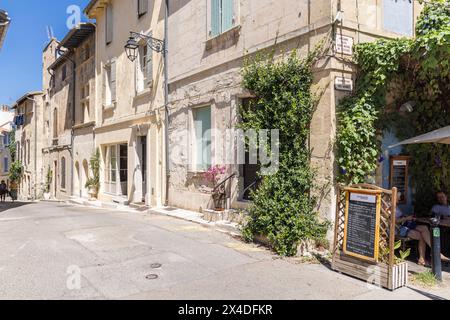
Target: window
column 109, row 24
column 116, row 169
column 202, row 138
column 109, row 84
column 64, row 73
column 5, row 164
column 144, row 72
column 86, row 53
column 28, row 152
column 55, row 123
column 63, row 173
column 398, row 16
column 142, row 7
column 222, row 16
column 86, row 117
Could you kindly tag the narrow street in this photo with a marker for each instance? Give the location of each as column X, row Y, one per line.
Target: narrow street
column 43, row 244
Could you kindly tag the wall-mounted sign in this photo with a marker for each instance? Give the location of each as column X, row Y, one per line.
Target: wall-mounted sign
column 344, row 44
column 343, row 84
column 399, row 177
column 362, row 224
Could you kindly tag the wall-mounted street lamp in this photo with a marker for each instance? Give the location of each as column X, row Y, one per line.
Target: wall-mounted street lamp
column 132, row 46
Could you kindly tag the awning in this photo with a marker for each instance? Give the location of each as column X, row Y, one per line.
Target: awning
column 437, row 136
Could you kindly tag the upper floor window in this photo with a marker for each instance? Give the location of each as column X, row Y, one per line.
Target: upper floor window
column 222, row 16
column 398, row 16
column 64, row 73
column 109, row 84
column 142, row 7
column 109, row 24
column 144, row 72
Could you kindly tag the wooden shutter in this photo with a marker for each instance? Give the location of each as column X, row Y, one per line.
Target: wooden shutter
column 104, row 84
column 109, row 24
column 215, row 18
column 149, row 58
column 227, row 15
column 113, row 81
column 142, row 7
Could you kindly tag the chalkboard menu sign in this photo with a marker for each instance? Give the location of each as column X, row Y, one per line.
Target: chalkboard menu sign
column 399, row 177
column 362, row 224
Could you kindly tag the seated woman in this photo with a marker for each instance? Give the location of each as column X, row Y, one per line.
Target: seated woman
column 409, row 228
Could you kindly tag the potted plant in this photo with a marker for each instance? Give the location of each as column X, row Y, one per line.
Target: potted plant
column 214, row 176
column 48, row 182
column 93, row 183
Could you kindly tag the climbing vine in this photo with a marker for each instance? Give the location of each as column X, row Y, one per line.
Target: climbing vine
column 391, row 73
column 283, row 209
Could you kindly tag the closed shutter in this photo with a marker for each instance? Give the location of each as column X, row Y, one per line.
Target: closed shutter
column 104, row 83
column 215, row 17
column 113, row 81
column 149, row 58
column 227, row 15
column 142, row 7
column 109, row 24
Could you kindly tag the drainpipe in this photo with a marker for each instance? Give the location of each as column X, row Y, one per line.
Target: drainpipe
column 166, row 99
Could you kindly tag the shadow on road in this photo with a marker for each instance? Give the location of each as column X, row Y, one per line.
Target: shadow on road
column 5, row 206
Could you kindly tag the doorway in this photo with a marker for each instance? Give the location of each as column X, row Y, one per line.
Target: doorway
column 55, row 181
column 143, row 161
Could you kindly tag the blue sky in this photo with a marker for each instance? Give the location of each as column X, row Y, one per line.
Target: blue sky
column 21, row 55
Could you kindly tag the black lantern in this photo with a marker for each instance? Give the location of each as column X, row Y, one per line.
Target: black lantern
column 131, row 49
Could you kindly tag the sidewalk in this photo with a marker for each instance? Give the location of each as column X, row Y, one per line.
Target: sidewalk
column 223, row 226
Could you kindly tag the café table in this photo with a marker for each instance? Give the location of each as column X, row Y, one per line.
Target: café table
column 445, row 234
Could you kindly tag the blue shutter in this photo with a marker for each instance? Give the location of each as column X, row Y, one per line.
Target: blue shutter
column 227, row 14
column 203, row 137
column 215, row 17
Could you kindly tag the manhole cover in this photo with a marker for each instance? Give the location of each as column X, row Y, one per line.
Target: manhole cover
column 151, row 277
column 156, row 265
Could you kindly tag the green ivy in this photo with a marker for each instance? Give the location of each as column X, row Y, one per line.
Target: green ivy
column 408, row 70
column 283, row 209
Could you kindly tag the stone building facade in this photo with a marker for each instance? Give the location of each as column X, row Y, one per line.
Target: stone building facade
column 6, row 128
column 208, row 42
column 58, row 121
column 129, row 100
column 30, row 142
column 4, row 25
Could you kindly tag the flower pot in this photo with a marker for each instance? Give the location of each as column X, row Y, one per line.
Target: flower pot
column 47, row 195
column 93, row 193
column 219, row 201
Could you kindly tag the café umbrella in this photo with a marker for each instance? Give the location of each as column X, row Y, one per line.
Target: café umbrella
column 438, row 136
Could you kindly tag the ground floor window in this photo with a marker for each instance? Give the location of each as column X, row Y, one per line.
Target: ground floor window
column 202, row 138
column 63, row 173
column 116, row 169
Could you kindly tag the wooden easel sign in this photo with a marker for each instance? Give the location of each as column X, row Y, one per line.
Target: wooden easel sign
column 362, row 224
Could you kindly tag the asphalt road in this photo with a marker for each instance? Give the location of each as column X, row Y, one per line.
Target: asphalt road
column 60, row 251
